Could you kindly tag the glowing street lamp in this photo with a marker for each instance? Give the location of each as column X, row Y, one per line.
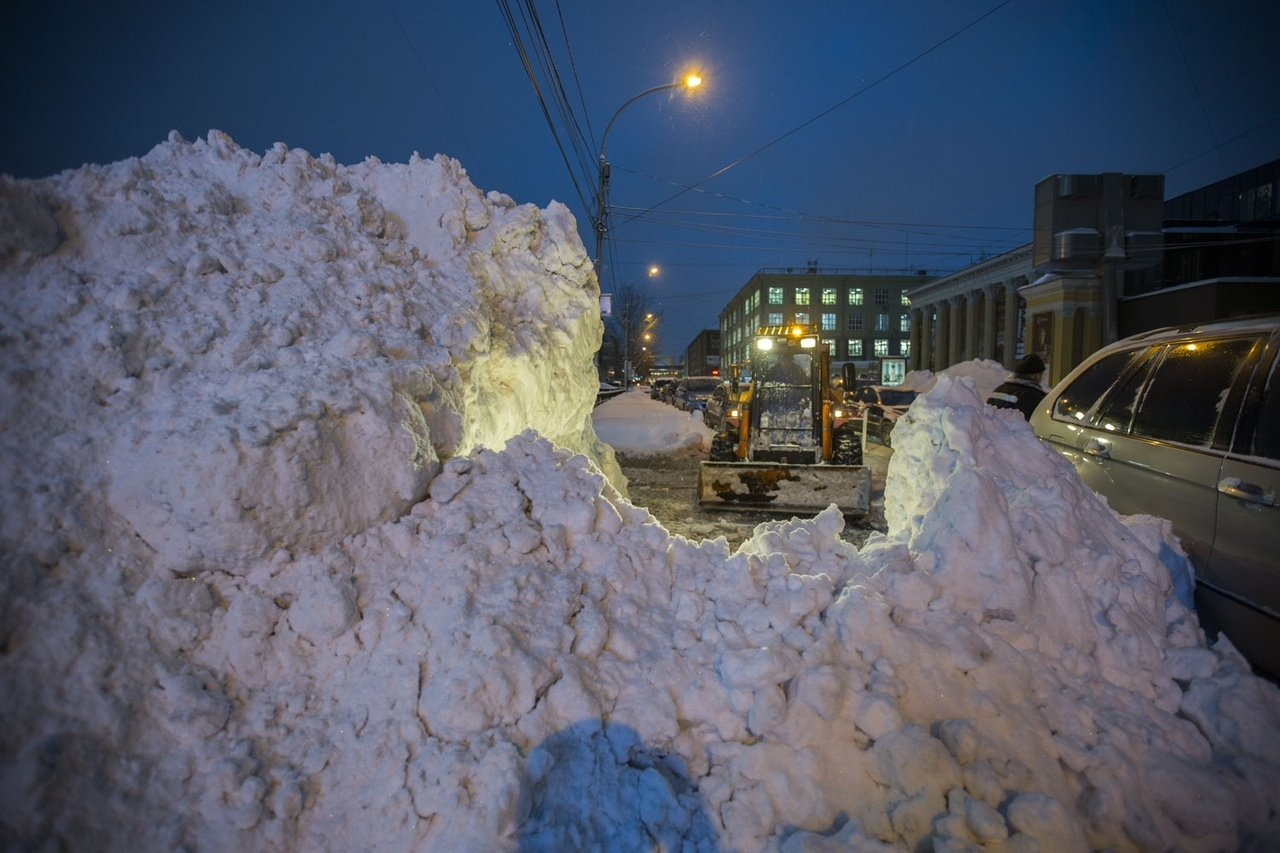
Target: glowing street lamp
column 690, row 82
column 626, row 332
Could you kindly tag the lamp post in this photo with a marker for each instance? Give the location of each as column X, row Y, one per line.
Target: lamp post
column 690, row 82
column 628, row 307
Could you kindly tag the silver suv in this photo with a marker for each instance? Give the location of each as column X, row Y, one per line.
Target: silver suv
column 1184, row 424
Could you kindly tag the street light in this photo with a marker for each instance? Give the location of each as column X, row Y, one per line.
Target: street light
column 626, row 331
column 691, row 81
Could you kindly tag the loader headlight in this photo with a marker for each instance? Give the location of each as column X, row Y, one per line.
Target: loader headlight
column 808, row 343
column 764, row 343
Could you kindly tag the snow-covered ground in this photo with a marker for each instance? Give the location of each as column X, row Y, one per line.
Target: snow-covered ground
column 308, row 543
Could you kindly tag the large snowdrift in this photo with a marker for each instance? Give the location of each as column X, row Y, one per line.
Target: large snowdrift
column 307, row 545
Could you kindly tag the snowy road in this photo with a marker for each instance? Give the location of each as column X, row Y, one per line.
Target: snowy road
column 659, row 448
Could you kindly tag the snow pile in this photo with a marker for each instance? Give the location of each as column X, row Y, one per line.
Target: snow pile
column 985, row 373
column 523, row 660
column 623, row 423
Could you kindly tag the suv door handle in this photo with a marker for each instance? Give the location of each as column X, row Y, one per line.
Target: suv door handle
column 1234, row 488
column 1098, row 449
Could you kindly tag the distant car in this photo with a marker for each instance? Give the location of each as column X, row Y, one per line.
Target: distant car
column 691, row 394
column 1184, row 424
column 722, row 400
column 656, row 386
column 883, row 405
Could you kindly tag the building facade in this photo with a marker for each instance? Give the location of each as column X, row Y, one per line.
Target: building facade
column 702, row 358
column 860, row 316
column 1110, row 258
column 975, row 313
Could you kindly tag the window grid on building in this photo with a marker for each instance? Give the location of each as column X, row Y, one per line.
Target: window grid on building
column 828, row 296
column 855, row 296
column 882, row 322
column 882, row 297
column 904, row 324
column 775, row 318
column 855, row 322
column 881, row 347
column 828, row 322
column 775, row 296
column 855, row 348
column 802, row 317
column 802, row 296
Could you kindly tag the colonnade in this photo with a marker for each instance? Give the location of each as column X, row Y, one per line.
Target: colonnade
column 973, row 314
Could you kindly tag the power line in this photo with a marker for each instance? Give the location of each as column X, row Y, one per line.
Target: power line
column 422, row 66
column 830, row 109
column 1195, row 88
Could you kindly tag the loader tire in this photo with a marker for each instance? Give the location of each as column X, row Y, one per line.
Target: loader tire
column 848, row 448
column 723, row 449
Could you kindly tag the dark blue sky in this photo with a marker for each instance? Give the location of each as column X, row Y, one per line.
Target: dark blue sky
column 902, row 135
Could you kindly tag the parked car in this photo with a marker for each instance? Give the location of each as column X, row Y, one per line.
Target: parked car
column 656, row 386
column 722, row 400
column 691, row 393
column 882, row 405
column 1184, row 424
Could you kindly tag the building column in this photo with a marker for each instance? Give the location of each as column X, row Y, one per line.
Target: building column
column 941, row 335
column 1011, row 323
column 953, row 331
column 989, row 295
column 970, row 326
column 925, row 349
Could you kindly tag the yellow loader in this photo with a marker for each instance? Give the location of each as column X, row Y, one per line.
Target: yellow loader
column 786, row 446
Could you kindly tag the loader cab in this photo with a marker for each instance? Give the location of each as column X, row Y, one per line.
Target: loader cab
column 784, row 446
column 788, row 364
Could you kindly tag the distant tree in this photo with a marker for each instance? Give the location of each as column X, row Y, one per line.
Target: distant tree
column 632, row 318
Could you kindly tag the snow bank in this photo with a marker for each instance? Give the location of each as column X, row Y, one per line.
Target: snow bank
column 624, row 424
column 303, row 549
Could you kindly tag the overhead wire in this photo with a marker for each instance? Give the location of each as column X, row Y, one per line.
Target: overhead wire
column 422, row 66
column 831, row 109
column 546, row 64
column 1195, row 87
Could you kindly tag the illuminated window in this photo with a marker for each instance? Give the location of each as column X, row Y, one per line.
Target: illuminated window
column 882, row 322
column 855, row 296
column 802, row 296
column 775, row 296
column 855, row 348
column 904, row 347
column 906, row 303
column 828, row 322
column 775, row 318
column 802, row 317
column 881, row 346
column 828, row 296
column 905, row 325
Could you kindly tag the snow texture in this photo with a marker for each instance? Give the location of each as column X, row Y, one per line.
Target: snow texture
column 309, row 544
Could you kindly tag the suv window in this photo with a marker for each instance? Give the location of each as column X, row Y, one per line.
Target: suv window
column 1265, row 439
column 1188, row 390
column 1075, row 402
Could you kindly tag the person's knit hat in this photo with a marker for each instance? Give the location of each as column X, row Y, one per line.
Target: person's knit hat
column 1029, row 365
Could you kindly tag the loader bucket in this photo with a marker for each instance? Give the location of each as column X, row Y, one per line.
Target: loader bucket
column 775, row 487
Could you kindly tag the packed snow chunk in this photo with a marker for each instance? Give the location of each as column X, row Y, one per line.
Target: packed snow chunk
column 277, row 350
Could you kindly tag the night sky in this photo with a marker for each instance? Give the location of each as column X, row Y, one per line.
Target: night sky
column 891, row 136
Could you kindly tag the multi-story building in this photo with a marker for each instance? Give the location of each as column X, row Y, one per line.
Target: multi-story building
column 861, row 317
column 1110, row 258
column 703, row 355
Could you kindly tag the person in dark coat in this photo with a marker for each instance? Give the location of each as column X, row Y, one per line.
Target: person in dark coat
column 1022, row 389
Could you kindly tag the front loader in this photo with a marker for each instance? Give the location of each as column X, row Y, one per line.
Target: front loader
column 785, row 446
